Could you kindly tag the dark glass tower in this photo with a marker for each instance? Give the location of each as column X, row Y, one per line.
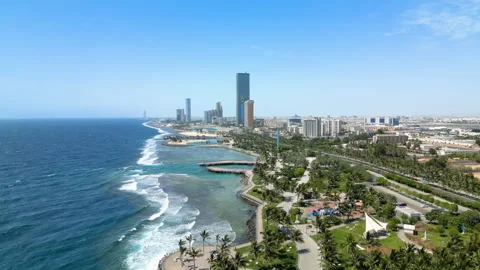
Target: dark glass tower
column 243, row 94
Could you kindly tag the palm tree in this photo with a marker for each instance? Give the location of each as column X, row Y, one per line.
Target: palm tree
column 255, row 249
column 204, row 236
column 182, row 252
column 182, row 249
column 351, row 246
column 370, row 240
column 239, row 261
column 181, row 243
column 217, row 238
column 226, row 240
column 194, row 253
column 296, row 236
column 190, row 240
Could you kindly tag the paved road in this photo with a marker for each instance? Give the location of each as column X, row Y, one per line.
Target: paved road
column 415, row 205
column 460, row 208
column 436, row 186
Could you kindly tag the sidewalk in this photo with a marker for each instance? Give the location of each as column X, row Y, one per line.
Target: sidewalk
column 308, row 253
column 401, row 234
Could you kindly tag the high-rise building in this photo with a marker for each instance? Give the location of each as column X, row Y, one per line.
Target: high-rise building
column 249, row 120
column 312, row 127
column 180, row 115
column 243, row 94
column 333, row 128
column 188, row 110
column 209, row 116
column 144, row 115
column 219, row 109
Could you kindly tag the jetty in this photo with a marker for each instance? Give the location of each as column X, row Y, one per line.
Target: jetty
column 228, row 162
column 226, row 170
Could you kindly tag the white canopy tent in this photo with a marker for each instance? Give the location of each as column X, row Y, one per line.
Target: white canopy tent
column 373, row 225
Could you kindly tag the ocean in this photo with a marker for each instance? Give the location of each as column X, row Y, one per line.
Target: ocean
column 106, row 194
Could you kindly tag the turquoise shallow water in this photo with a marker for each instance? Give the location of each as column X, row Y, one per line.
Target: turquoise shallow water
column 105, row 194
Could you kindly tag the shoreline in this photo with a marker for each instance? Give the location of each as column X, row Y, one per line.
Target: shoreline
column 248, row 185
column 233, row 148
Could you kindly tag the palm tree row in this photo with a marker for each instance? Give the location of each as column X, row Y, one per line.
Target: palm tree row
column 436, row 170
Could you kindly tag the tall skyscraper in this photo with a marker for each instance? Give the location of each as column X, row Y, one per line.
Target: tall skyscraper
column 248, row 118
column 219, row 109
column 188, row 109
column 243, row 94
column 144, row 115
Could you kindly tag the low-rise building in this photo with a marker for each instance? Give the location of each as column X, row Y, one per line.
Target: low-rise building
column 399, row 210
column 390, row 138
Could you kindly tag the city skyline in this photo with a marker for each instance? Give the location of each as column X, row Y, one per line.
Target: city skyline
column 99, row 59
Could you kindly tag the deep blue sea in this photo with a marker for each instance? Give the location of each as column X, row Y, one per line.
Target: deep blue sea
column 106, row 194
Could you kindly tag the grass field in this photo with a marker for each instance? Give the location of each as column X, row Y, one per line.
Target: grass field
column 435, row 239
column 357, row 229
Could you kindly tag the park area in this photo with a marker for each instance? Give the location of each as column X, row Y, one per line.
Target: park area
column 437, row 235
column 357, row 229
column 287, row 257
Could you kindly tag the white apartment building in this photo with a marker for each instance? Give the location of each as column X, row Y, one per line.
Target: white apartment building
column 331, row 127
column 312, row 127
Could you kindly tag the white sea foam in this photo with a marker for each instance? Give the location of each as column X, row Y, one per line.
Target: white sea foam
column 149, row 153
column 121, row 238
column 132, row 186
column 134, row 229
column 155, row 216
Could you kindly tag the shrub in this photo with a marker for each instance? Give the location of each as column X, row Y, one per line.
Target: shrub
column 332, row 220
column 441, row 230
column 299, row 172
column 412, row 220
column 393, row 224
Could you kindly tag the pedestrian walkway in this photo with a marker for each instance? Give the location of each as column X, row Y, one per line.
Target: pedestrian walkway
column 401, row 234
column 308, row 253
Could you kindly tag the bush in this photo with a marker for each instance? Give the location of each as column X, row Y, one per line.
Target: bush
column 332, row 220
column 393, row 224
column 382, row 181
column 453, row 231
column 441, row 230
column 477, row 227
column 293, row 214
column 299, row 172
column 404, row 218
column 412, row 220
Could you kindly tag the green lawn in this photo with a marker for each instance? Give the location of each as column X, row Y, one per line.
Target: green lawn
column 437, row 240
column 357, row 229
column 288, row 253
column 255, row 193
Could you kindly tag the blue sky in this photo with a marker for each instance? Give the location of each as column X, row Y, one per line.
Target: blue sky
column 118, row 58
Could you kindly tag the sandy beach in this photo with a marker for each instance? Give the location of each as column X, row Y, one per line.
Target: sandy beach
column 184, row 142
column 195, row 133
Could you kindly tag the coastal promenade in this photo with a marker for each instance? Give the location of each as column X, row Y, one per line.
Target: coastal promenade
column 170, row 262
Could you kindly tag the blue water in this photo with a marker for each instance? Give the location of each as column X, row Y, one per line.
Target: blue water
column 106, row 194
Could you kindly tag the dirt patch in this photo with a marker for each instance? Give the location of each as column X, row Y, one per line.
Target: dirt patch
column 423, row 159
column 426, row 244
column 477, row 175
